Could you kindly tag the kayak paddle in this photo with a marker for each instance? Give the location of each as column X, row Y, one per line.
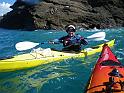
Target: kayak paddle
column 97, row 36
column 25, row 45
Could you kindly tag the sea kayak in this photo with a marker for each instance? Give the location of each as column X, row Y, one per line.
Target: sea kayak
column 36, row 58
column 107, row 75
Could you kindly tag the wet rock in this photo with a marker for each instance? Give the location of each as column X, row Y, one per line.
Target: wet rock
column 56, row 14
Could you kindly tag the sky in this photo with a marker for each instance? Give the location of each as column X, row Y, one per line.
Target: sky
column 8, row 1
column 5, row 6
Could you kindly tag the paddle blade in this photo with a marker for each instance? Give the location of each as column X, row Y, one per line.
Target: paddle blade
column 97, row 36
column 25, row 45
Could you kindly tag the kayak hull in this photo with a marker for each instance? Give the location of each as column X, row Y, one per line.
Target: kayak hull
column 107, row 75
column 34, row 58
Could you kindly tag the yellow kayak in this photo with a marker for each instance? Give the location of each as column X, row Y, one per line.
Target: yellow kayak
column 36, row 58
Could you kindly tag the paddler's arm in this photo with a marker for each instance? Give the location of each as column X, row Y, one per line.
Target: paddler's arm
column 84, row 42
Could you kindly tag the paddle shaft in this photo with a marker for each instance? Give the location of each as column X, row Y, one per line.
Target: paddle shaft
column 28, row 45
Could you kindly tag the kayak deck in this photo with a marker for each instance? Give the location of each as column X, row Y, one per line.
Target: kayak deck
column 107, row 75
column 36, row 58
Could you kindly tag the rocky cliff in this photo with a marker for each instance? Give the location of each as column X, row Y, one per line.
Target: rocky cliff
column 55, row 14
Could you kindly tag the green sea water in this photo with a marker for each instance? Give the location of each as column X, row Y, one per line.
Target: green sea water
column 66, row 76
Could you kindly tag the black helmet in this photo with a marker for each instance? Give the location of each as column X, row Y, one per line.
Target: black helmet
column 70, row 28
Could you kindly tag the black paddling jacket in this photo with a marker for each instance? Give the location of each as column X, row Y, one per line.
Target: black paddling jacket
column 72, row 43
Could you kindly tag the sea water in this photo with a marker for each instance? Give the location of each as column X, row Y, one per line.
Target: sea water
column 66, row 76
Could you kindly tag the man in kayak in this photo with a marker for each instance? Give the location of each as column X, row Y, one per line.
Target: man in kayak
column 72, row 41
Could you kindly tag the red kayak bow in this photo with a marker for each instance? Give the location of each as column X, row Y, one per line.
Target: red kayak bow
column 107, row 75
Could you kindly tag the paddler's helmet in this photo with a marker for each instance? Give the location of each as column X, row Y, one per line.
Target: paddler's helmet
column 70, row 28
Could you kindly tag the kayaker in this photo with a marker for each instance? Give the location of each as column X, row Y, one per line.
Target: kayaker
column 72, row 41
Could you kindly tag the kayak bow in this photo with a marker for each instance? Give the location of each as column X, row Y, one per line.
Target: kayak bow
column 36, row 58
column 107, row 75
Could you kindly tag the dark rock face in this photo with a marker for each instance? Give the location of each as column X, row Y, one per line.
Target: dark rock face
column 55, row 14
column 19, row 18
